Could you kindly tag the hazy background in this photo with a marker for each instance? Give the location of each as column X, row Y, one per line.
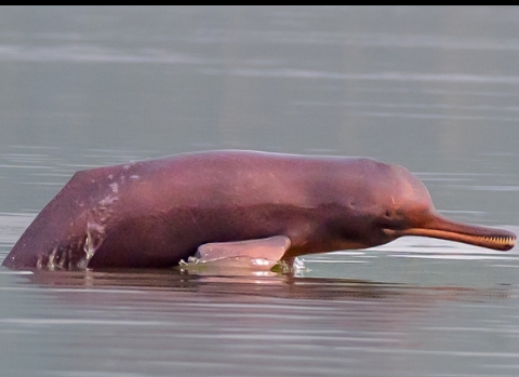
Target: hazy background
column 434, row 89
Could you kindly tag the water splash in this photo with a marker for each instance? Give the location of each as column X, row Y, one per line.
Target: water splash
column 244, row 263
column 95, row 237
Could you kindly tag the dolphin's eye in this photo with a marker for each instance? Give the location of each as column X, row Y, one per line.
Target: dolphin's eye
column 388, row 214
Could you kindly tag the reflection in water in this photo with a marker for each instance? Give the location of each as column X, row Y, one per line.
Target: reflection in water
column 152, row 323
column 250, row 284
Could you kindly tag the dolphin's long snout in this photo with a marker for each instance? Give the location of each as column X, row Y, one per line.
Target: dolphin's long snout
column 440, row 227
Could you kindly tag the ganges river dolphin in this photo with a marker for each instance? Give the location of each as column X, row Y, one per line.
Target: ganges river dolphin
column 152, row 214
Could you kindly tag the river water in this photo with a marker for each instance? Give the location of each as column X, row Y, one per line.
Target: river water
column 433, row 89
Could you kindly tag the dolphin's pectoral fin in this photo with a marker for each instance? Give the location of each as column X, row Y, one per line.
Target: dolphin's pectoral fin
column 271, row 248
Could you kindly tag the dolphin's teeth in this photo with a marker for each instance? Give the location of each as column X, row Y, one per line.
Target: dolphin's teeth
column 497, row 239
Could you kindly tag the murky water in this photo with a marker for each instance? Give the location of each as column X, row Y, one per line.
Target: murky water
column 434, row 89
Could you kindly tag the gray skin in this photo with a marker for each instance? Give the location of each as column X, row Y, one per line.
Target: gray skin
column 152, row 214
